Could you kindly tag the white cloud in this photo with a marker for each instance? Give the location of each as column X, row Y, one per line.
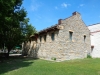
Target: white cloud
column 65, row 5
column 39, row 16
column 81, row 5
column 34, row 5
column 56, row 7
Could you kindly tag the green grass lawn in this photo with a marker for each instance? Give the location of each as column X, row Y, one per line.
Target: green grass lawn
column 26, row 66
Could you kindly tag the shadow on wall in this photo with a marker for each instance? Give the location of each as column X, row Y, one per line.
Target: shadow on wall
column 33, row 51
column 25, row 48
column 30, row 49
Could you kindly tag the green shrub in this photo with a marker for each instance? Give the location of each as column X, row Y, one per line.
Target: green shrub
column 53, row 58
column 89, row 56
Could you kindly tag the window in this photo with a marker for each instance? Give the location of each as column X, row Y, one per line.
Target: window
column 40, row 38
column 45, row 38
column 92, row 47
column 53, row 36
column 70, row 35
column 84, row 38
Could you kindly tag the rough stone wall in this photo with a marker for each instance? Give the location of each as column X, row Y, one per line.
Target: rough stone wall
column 76, row 48
column 62, row 48
column 25, row 47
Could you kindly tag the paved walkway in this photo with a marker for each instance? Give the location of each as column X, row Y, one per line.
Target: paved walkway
column 15, row 54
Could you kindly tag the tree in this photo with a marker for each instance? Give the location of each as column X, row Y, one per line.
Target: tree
column 27, row 29
column 13, row 23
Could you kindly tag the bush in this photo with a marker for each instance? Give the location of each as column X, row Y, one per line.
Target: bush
column 89, row 56
column 53, row 58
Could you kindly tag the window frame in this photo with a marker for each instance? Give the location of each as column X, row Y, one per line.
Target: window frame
column 53, row 36
column 84, row 38
column 40, row 38
column 70, row 35
column 45, row 38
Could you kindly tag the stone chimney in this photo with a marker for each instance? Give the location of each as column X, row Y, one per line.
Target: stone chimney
column 75, row 13
column 59, row 21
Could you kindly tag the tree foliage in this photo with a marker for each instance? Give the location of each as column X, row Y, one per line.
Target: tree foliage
column 14, row 27
column 27, row 29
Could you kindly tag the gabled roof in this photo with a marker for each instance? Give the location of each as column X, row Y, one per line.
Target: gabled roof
column 93, row 24
column 54, row 27
column 94, row 28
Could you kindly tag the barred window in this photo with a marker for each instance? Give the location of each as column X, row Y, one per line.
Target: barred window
column 53, row 36
column 70, row 35
column 84, row 38
column 40, row 38
column 45, row 38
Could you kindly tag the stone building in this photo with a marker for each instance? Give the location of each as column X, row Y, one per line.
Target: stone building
column 69, row 39
column 95, row 40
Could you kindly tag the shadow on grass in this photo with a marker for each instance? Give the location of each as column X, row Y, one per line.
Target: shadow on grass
column 13, row 63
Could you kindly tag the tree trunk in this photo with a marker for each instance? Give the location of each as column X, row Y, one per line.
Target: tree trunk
column 8, row 53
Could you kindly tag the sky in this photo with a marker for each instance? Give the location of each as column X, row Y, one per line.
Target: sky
column 45, row 13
